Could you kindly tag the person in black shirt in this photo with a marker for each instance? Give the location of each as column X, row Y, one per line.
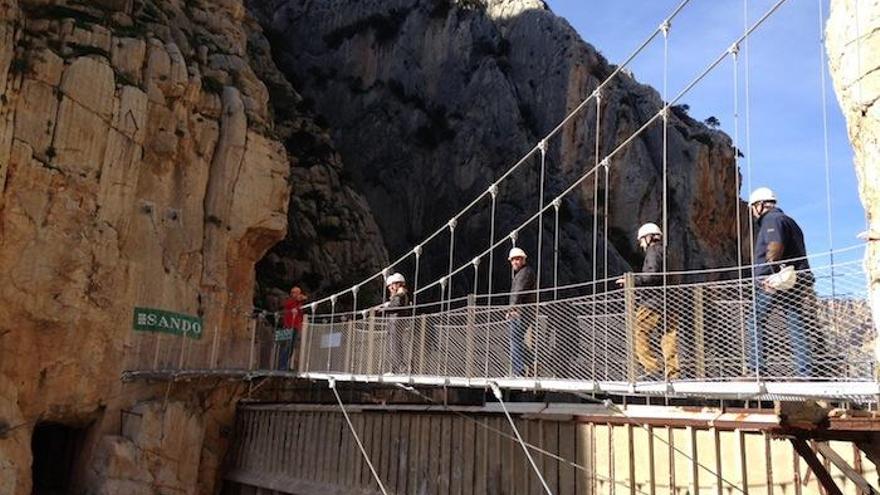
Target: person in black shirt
column 396, row 306
column 779, row 241
column 520, row 316
column 650, row 312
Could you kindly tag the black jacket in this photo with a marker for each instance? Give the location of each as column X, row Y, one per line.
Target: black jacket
column 523, row 286
column 651, row 276
column 397, row 305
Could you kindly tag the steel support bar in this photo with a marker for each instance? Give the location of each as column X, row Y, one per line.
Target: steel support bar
column 857, row 479
column 818, row 468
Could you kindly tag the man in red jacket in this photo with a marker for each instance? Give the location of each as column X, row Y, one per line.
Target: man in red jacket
column 292, row 326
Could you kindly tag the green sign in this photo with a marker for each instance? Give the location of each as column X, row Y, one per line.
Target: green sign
column 157, row 320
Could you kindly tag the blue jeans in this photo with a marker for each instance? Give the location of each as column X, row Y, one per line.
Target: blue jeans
column 285, row 350
column 519, row 354
column 791, row 304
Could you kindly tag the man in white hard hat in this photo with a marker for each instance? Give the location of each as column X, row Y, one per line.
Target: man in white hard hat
column 522, row 293
column 398, row 299
column 651, row 310
column 779, row 242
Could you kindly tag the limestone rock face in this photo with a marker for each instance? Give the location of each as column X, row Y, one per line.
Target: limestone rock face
column 430, row 101
column 853, row 46
column 139, row 166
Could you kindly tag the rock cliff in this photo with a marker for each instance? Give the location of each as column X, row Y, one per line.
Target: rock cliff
column 429, row 101
column 139, row 166
column 853, row 46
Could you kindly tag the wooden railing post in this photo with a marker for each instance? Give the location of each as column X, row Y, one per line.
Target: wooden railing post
column 699, row 333
column 629, row 300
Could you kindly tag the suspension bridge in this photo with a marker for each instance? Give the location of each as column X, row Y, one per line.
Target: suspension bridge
column 581, row 337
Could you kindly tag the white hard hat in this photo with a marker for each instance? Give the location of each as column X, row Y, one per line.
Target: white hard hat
column 761, row 194
column 395, row 278
column 516, row 253
column 648, row 229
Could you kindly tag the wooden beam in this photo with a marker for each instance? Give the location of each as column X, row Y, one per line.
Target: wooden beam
column 816, row 466
column 857, row 479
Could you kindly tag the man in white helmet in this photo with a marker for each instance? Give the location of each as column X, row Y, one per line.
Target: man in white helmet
column 779, row 241
column 398, row 300
column 650, row 312
column 522, row 293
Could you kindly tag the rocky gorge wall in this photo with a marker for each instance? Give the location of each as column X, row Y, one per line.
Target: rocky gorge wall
column 852, row 42
column 139, row 166
column 430, row 101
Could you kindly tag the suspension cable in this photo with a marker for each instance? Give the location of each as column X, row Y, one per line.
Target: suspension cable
column 665, row 237
column 556, row 204
column 826, row 148
column 357, row 439
column 748, row 131
column 498, row 396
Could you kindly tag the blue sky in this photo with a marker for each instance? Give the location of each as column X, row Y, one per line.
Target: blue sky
column 785, row 94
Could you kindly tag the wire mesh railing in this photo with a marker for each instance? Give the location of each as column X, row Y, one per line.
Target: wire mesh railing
column 710, row 331
column 718, row 331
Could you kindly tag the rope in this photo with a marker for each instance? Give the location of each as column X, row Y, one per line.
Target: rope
column 332, row 383
column 497, row 392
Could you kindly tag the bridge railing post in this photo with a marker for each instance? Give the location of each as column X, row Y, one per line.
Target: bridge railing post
column 348, row 338
column 371, row 337
column 629, row 300
column 469, row 329
column 423, row 324
column 699, row 332
column 303, row 345
column 253, row 348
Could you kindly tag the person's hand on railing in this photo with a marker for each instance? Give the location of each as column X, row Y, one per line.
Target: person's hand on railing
column 620, row 282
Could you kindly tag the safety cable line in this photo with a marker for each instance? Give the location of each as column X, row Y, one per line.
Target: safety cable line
column 753, row 329
column 494, row 192
column 556, row 205
column 665, row 235
column 606, row 161
column 734, row 55
column 826, row 148
column 618, row 69
column 498, row 396
column 591, row 475
column 543, row 147
column 332, row 383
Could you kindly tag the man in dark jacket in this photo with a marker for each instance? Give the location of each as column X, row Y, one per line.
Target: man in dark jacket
column 520, row 315
column 651, row 310
column 779, row 241
column 398, row 300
